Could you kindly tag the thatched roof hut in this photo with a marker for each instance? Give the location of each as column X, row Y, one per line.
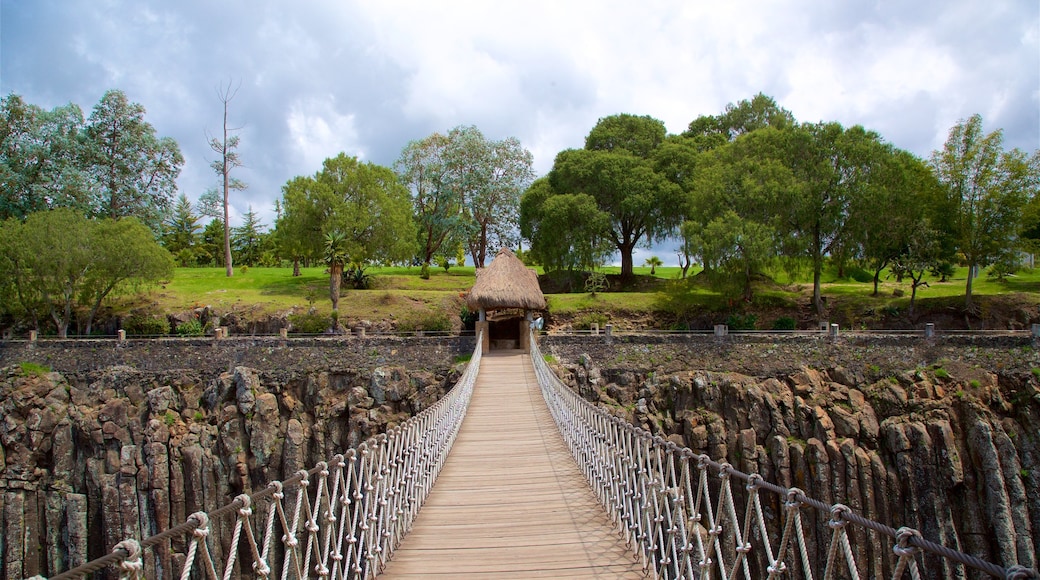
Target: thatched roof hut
column 506, row 283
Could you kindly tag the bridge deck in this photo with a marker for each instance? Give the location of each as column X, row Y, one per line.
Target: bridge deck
column 510, row 501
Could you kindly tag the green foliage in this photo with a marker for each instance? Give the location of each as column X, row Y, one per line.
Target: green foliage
column 1036, row 372
column 356, row 276
column 145, row 325
column 444, row 262
column 568, row 232
column 425, row 320
column 974, row 383
column 31, row 369
column 785, row 323
column 424, row 271
column 742, row 321
column 585, row 320
column 595, row 282
column 170, row 418
column 58, row 265
column 986, row 189
column 309, row 322
column 941, row 373
column 191, row 327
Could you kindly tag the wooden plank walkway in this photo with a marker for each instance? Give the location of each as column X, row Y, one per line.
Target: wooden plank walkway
column 510, row 501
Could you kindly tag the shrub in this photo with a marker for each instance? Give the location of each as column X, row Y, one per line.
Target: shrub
column 742, row 321
column 144, row 325
column 785, row 323
column 941, row 373
column 356, row 277
column 192, row 327
column 430, row 321
column 585, row 320
column 424, row 272
column 596, row 282
column 309, row 323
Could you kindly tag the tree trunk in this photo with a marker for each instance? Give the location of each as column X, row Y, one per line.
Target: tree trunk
column 968, row 304
column 335, row 279
column 627, row 269
column 296, row 267
column 817, row 299
column 877, row 279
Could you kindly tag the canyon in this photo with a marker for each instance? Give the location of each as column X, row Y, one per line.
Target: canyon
column 103, row 440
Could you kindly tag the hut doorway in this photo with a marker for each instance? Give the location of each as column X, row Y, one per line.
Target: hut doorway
column 504, row 331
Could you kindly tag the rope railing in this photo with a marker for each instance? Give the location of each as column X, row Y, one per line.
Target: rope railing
column 682, row 525
column 341, row 519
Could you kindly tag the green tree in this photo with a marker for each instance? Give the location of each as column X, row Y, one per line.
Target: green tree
column 227, row 148
column 133, row 171
column 488, row 177
column 124, row 257
column 885, row 220
column 247, row 239
column 616, row 170
column 41, row 158
column 921, row 254
column 181, row 232
column 566, row 232
column 653, row 262
column 833, row 166
column 437, row 205
column 62, row 264
column 211, row 245
column 738, row 248
column 336, row 256
column 986, row 188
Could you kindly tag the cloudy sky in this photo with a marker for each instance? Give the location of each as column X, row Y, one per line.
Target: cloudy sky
column 318, row 77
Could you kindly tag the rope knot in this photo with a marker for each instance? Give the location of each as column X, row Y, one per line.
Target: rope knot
column 838, row 512
column 278, row 489
column 792, row 498
column 754, row 482
column 201, row 524
column 903, row 547
column 131, row 564
column 1019, row 572
column 247, row 502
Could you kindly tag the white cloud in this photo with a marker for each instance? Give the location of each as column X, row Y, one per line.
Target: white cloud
column 317, row 131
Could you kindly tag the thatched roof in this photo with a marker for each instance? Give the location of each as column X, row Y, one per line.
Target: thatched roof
column 506, row 283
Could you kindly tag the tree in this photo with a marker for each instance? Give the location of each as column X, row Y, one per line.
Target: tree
column 62, row 263
column 985, row 191
column 615, row 169
column 212, row 242
column 921, row 255
column 248, row 238
column 833, row 166
column 738, row 248
column 886, row 218
column 488, row 177
column 124, row 256
column 227, row 148
column 41, row 158
column 363, row 202
column 653, row 262
column 336, row 256
column 181, row 231
column 566, row 232
column 133, row 171
column 438, row 207
column 742, row 118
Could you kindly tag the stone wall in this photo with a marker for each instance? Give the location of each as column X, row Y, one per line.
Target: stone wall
column 130, row 438
column 942, row 436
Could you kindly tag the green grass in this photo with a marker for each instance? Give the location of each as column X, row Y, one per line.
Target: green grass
column 401, row 291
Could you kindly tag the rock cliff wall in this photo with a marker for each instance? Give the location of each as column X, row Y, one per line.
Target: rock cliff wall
column 941, row 437
column 104, row 451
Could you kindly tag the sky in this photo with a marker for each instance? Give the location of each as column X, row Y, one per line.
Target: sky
column 318, row 77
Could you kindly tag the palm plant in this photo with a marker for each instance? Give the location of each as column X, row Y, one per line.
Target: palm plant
column 335, row 258
column 653, row 262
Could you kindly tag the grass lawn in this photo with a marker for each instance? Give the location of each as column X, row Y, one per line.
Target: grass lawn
column 398, row 291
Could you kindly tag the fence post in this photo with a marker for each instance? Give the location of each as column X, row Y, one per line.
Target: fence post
column 834, row 331
column 594, row 327
column 721, row 330
column 609, row 331
column 825, row 326
column 284, row 333
column 121, row 334
column 33, row 335
column 929, row 330
column 1036, row 331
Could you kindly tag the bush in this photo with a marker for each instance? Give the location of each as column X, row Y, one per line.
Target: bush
column 144, row 325
column 426, row 320
column 860, row 275
column 356, row 277
column 784, row 323
column 192, row 327
column 424, row 272
column 31, row 369
column 742, row 321
column 596, row 282
column 309, row 323
column 585, row 320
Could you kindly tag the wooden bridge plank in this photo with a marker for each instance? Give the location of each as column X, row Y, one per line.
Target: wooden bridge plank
column 510, row 501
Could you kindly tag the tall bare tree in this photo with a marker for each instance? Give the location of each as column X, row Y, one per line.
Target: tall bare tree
column 227, row 147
